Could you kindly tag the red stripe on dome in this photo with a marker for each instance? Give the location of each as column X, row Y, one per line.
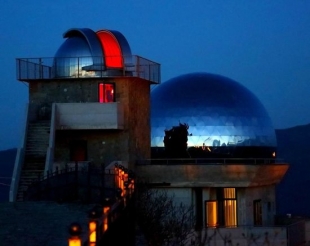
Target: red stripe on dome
column 111, row 48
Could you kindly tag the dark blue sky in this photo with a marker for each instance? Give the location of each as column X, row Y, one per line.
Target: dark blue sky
column 263, row 44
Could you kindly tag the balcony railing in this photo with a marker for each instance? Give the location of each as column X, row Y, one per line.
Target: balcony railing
column 211, row 161
column 49, row 68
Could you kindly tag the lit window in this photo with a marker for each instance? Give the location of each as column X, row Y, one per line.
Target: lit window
column 106, row 93
column 223, row 210
column 211, row 213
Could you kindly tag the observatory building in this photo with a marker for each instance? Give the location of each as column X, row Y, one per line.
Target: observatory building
column 89, row 104
column 204, row 138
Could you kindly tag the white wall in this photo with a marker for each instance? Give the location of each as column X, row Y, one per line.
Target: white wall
column 89, row 116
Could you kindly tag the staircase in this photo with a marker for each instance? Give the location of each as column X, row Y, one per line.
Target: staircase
column 35, row 154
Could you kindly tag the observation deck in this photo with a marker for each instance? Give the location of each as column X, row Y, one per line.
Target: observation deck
column 53, row 68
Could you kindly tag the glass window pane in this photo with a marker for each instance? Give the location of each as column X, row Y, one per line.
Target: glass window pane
column 211, row 213
column 229, row 193
column 109, row 93
column 230, row 213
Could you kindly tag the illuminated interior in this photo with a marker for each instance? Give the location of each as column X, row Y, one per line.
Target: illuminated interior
column 230, row 207
column 211, row 212
column 106, row 93
column 111, row 48
column 222, row 211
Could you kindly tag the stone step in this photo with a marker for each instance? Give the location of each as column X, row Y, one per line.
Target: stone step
column 37, row 144
column 37, row 149
column 38, row 139
column 28, row 163
column 39, row 128
column 34, row 153
column 37, row 136
column 33, row 166
column 40, row 124
column 32, row 172
column 27, row 175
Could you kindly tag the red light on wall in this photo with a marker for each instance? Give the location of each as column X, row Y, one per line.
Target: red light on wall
column 101, row 92
column 111, row 48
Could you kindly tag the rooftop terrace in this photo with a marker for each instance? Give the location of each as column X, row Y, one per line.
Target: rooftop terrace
column 51, row 68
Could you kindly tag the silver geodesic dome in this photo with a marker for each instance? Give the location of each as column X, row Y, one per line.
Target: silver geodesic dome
column 218, row 111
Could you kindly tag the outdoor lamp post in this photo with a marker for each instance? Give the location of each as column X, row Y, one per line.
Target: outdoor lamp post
column 75, row 231
column 93, row 230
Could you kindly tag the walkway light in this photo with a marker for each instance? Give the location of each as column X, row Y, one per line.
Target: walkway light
column 93, row 231
column 75, row 231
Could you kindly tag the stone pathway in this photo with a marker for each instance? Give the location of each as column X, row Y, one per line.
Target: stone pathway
column 39, row 223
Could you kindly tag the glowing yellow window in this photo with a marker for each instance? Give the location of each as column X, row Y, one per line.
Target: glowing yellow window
column 211, row 213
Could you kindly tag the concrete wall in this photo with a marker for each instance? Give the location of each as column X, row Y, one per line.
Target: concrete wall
column 103, row 146
column 89, row 116
column 267, row 196
column 219, row 175
column 244, row 236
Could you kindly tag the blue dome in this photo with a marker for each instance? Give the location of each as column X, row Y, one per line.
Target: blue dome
column 218, row 111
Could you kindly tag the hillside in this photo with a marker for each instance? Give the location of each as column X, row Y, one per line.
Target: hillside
column 293, row 196
column 7, row 158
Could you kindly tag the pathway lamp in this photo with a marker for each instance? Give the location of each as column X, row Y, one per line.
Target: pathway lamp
column 75, row 231
column 93, row 225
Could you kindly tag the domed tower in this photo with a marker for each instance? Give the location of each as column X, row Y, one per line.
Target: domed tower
column 213, row 148
column 87, row 104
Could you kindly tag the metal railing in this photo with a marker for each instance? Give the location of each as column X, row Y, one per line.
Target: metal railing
column 211, row 161
column 73, row 183
column 48, row 68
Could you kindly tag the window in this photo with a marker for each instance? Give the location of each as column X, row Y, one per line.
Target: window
column 211, row 213
column 106, row 93
column 257, row 206
column 223, row 210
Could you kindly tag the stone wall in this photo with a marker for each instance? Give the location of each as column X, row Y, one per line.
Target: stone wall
column 103, row 146
column 267, row 196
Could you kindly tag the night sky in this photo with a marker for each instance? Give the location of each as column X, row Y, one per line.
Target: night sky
column 263, row 44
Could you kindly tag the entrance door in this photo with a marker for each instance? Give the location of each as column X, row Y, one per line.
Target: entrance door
column 78, row 150
column 257, row 206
